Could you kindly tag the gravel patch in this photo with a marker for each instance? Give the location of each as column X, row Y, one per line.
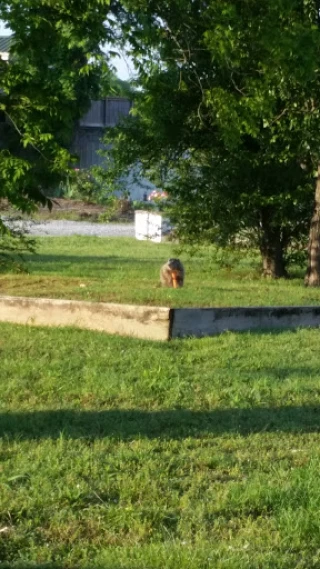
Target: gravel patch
column 64, row 228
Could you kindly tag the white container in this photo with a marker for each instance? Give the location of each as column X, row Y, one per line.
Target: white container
column 151, row 226
column 141, row 224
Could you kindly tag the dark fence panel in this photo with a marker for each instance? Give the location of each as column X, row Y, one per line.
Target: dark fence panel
column 115, row 109
column 87, row 139
column 86, row 144
column 106, row 112
column 95, row 115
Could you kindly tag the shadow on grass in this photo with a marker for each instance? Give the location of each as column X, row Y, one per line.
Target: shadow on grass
column 66, row 565
column 40, row 259
column 173, row 424
column 39, row 264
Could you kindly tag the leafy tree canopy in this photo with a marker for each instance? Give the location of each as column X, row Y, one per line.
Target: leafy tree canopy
column 228, row 114
column 54, row 70
column 227, row 107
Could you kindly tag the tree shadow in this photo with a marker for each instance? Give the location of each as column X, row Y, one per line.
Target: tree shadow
column 44, row 258
column 173, row 424
column 55, row 565
column 52, row 263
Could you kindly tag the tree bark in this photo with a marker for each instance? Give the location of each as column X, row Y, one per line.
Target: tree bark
column 312, row 277
column 272, row 248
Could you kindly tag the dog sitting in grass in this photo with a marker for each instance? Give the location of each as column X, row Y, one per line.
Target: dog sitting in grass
column 172, row 274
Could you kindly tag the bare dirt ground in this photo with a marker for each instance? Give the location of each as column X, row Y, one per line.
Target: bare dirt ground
column 82, row 209
column 76, row 210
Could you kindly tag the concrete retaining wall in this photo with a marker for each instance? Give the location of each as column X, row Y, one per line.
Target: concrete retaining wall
column 201, row 322
column 149, row 322
column 152, row 322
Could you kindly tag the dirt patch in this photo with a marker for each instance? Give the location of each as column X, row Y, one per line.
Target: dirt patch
column 72, row 209
column 75, row 205
column 76, row 210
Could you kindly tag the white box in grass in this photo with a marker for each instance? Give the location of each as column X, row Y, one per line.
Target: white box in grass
column 151, row 226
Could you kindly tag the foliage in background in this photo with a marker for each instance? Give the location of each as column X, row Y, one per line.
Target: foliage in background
column 227, row 116
column 211, row 204
column 81, row 185
column 144, row 205
column 87, row 185
column 112, row 85
column 13, row 244
column 54, row 70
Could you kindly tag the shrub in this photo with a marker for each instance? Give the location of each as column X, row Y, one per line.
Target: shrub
column 13, row 243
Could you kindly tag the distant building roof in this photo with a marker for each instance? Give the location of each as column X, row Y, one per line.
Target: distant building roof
column 5, row 42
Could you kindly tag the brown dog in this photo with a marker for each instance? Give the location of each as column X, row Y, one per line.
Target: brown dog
column 172, row 273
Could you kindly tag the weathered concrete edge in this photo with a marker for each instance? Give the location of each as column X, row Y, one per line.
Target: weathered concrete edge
column 200, row 322
column 147, row 322
column 154, row 322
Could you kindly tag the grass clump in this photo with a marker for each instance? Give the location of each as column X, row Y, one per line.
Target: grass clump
column 121, row 453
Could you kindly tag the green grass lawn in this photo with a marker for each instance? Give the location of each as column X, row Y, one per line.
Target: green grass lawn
column 127, row 271
column 125, row 454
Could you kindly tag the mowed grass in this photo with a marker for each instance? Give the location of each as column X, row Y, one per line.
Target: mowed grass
column 127, row 271
column 125, row 454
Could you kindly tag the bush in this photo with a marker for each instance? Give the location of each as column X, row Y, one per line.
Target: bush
column 146, row 206
column 116, row 208
column 13, row 243
column 81, row 185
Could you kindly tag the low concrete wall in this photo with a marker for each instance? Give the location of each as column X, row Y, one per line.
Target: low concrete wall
column 152, row 322
column 149, row 322
column 201, row 322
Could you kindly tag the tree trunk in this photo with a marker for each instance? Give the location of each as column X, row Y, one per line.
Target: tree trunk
column 272, row 249
column 312, row 277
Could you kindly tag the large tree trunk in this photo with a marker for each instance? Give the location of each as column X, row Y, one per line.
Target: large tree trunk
column 312, row 277
column 272, row 248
